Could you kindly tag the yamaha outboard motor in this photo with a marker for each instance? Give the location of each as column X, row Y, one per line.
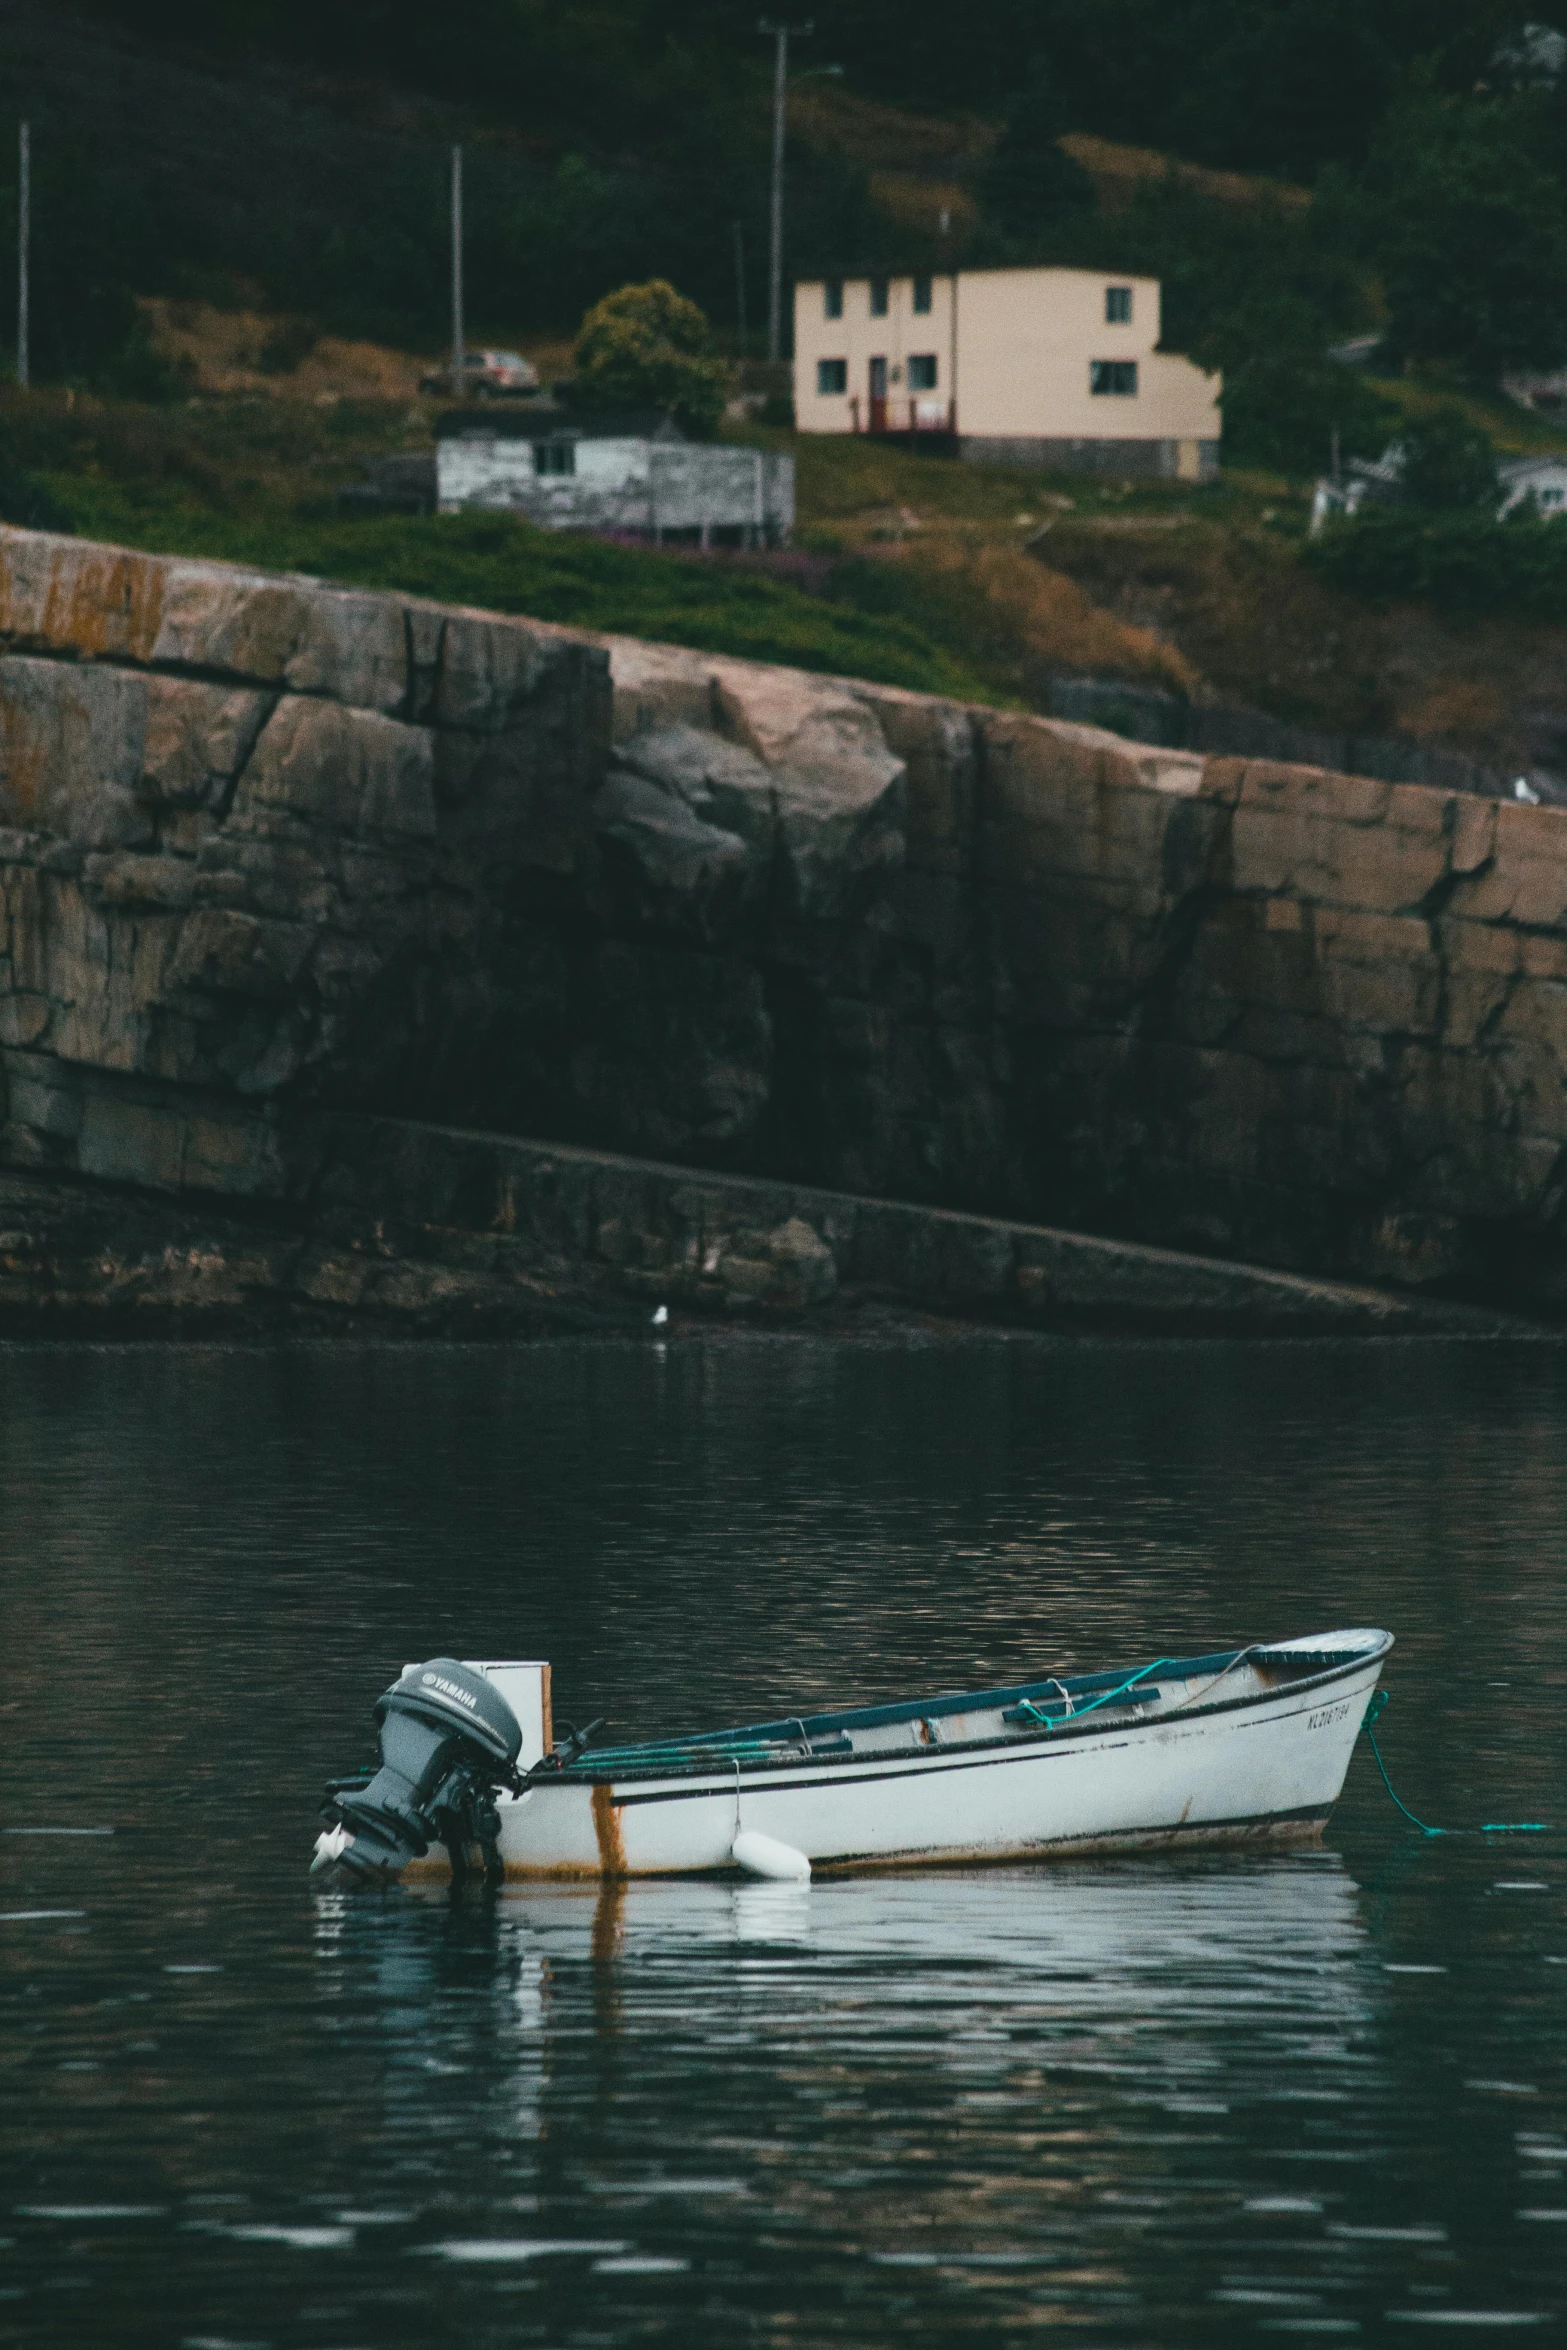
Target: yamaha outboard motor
column 448, row 1740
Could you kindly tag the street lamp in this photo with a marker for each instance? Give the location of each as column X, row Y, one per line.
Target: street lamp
column 781, row 35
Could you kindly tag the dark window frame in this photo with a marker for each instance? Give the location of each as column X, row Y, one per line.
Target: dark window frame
column 922, row 371
column 1114, row 379
column 922, row 296
column 838, row 371
column 1118, row 305
column 554, row 460
column 881, row 295
column 832, row 298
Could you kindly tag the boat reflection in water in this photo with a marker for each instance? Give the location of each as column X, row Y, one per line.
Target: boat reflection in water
column 1049, row 2081
column 1168, row 1949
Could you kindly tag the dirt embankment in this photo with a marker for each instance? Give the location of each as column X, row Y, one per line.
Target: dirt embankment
column 1235, row 606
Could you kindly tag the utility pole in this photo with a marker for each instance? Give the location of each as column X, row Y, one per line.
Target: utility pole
column 740, row 283
column 458, row 353
column 24, row 239
column 780, row 35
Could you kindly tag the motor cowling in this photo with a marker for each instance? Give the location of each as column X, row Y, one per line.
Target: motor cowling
column 448, row 1740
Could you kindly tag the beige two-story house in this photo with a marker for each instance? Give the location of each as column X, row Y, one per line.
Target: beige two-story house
column 1058, row 368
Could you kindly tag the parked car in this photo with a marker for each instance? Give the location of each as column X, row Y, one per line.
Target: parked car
column 486, row 375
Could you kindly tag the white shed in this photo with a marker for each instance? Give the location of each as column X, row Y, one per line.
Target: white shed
column 637, row 473
column 1544, row 479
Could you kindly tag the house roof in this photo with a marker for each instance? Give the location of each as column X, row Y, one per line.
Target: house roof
column 860, row 272
column 547, row 421
column 1516, row 469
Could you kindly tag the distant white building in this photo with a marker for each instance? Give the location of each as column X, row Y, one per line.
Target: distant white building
column 1366, row 481
column 1541, row 388
column 636, row 472
column 1054, row 368
column 1544, row 479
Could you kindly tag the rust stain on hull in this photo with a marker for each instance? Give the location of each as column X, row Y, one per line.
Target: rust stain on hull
column 606, row 1827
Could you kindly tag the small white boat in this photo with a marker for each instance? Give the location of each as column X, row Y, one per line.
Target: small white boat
column 1224, row 1748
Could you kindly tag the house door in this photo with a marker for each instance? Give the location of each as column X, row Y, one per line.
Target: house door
column 878, row 395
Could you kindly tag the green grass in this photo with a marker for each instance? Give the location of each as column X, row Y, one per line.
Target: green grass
column 504, row 566
column 843, row 476
column 1463, row 563
column 1515, row 431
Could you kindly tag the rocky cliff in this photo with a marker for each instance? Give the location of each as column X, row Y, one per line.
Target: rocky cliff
column 274, row 852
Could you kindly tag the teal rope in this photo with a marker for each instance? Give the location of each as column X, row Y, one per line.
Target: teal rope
column 665, row 1754
column 637, row 1757
column 1105, row 1697
column 1490, row 1827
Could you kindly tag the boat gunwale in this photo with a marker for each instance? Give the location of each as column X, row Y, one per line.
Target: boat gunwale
column 720, row 1770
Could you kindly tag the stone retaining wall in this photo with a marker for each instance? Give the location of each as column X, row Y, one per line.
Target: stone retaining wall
column 272, row 850
column 377, row 1223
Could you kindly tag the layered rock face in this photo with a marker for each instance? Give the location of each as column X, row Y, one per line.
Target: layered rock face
column 274, row 852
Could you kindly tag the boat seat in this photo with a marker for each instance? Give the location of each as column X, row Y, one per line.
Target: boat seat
column 1031, row 1712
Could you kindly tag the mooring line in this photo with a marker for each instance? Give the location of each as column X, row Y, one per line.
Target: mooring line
column 1490, row 1827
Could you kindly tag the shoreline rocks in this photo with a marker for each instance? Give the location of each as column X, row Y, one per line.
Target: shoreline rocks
column 272, row 852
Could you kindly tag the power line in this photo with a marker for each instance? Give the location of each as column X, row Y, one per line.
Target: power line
column 24, row 239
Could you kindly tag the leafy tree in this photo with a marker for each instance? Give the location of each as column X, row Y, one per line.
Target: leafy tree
column 648, row 347
column 23, row 498
column 1449, row 463
column 1282, row 89
column 1286, row 403
column 1470, row 233
column 1029, row 181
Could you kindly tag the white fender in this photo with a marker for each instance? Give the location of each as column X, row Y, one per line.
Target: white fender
column 329, row 1845
column 764, row 1856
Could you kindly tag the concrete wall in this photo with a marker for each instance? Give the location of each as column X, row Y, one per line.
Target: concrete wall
column 1186, row 460
column 270, row 851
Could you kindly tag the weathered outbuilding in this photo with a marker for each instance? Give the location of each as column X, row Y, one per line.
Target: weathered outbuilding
column 635, row 472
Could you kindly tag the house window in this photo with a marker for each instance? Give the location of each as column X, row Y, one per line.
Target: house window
column 922, row 295
column 832, row 298
column 1118, row 305
column 1118, row 376
column 878, row 297
column 922, row 371
column 554, row 457
column 832, row 378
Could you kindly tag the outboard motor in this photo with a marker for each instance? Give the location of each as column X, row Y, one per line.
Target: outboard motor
column 448, row 1740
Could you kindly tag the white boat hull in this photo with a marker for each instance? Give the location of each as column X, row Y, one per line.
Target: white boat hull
column 1268, row 1764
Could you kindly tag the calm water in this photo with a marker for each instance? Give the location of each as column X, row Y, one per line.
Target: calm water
column 1143, row 2103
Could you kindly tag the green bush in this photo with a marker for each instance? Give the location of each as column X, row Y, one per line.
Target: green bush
column 1467, row 229
column 1449, row 463
column 1461, row 561
column 24, row 499
column 502, row 565
column 648, row 347
column 1285, row 408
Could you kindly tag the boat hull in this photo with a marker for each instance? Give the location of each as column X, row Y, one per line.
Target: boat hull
column 1265, row 1767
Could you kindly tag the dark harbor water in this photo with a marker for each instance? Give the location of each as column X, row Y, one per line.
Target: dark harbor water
column 1206, row 2101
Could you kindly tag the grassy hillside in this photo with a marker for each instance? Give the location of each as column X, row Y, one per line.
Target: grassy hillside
column 280, row 152
column 911, row 570
column 253, row 483
column 244, row 200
